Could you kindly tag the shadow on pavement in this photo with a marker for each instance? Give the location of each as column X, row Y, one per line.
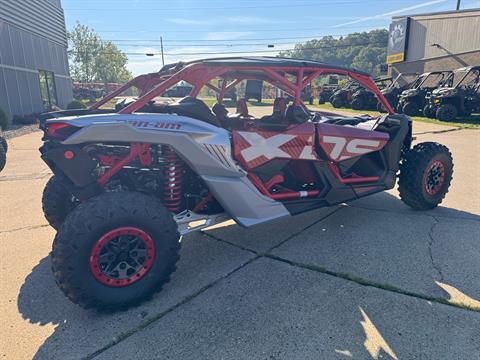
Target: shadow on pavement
column 81, row 332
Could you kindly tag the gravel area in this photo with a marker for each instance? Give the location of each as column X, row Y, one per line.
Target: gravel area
column 19, row 130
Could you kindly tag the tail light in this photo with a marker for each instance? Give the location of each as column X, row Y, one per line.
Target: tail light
column 60, row 131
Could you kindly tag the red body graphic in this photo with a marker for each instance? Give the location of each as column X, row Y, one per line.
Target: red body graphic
column 343, row 142
column 255, row 148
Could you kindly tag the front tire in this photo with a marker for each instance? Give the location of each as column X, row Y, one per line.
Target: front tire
column 115, row 251
column 425, row 175
column 410, row 109
column 4, row 144
column 429, row 112
column 381, row 108
column 337, row 102
column 447, row 112
column 57, row 202
column 3, row 158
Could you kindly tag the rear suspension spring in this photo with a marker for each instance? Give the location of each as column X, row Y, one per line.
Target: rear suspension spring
column 172, row 188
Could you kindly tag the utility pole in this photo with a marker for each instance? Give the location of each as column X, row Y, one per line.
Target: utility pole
column 161, row 46
column 458, row 4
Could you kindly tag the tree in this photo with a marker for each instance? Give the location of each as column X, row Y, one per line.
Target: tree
column 365, row 51
column 94, row 60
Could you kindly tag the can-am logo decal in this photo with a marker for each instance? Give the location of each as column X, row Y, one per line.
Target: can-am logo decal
column 397, row 35
column 154, row 125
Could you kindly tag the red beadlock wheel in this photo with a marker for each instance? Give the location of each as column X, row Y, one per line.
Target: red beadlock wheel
column 122, row 256
column 434, row 177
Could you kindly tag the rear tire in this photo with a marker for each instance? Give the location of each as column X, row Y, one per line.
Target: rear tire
column 108, row 233
column 357, row 104
column 337, row 102
column 447, row 112
column 425, row 175
column 410, row 109
column 57, row 202
column 3, row 158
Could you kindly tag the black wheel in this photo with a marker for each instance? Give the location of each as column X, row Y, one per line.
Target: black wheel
column 357, row 104
column 429, row 112
column 447, row 112
column 4, row 144
column 337, row 102
column 115, row 251
column 410, row 109
column 57, row 202
column 381, row 108
column 425, row 175
column 3, row 158
column 321, row 100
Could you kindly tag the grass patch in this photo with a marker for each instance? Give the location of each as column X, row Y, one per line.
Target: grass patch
column 471, row 122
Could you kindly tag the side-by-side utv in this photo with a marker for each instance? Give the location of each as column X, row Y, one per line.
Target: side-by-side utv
column 412, row 101
column 460, row 97
column 127, row 185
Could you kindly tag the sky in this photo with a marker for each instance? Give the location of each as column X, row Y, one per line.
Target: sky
column 193, row 29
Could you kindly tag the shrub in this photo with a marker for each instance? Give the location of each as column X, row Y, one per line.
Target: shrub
column 25, row 119
column 3, row 120
column 75, row 104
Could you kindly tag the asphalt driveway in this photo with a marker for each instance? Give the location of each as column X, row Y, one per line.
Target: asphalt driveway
column 371, row 279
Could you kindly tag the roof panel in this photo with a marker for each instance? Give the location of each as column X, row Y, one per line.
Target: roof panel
column 268, row 61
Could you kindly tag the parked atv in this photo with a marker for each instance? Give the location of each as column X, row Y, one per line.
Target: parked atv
column 3, row 152
column 392, row 92
column 412, row 101
column 461, row 98
column 343, row 96
column 128, row 185
column 325, row 93
column 364, row 99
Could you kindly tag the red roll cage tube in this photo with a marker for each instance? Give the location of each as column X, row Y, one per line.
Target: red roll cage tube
column 199, row 74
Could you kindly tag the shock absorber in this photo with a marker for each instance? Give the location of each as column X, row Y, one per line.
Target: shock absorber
column 172, row 187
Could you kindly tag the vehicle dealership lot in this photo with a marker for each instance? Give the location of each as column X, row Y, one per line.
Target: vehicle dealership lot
column 371, row 279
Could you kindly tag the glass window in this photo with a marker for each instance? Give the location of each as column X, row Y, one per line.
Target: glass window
column 48, row 90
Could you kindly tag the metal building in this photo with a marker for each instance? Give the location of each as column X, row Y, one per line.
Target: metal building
column 34, row 72
column 435, row 41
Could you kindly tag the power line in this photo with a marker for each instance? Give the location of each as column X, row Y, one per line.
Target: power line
column 232, row 31
column 249, row 52
column 232, row 40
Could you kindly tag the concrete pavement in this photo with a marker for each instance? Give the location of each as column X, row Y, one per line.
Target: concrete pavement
column 370, row 280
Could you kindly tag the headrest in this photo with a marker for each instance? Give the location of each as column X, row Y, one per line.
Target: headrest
column 219, row 109
column 279, row 105
column 242, row 107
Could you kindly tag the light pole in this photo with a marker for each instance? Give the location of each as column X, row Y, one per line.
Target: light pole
column 458, row 4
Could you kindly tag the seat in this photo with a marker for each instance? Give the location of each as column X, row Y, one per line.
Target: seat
column 296, row 114
column 228, row 121
column 194, row 108
column 277, row 121
column 279, row 107
column 242, row 108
